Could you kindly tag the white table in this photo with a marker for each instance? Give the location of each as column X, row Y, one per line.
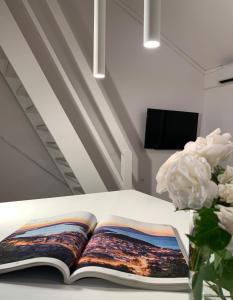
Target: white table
column 28, row 285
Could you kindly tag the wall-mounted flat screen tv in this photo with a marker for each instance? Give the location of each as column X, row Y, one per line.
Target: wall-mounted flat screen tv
column 168, row 129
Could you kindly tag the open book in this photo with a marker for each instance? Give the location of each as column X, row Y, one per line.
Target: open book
column 124, row 251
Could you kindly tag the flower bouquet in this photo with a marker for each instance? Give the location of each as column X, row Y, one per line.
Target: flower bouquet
column 196, row 180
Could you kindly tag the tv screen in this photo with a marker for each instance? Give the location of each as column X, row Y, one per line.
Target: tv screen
column 167, row 129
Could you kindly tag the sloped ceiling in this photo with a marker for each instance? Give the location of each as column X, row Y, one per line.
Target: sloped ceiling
column 200, row 28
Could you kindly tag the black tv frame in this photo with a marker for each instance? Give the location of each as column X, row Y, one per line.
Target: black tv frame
column 155, row 137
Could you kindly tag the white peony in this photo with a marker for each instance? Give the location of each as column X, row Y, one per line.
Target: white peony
column 215, row 147
column 187, row 178
column 225, row 216
column 161, row 177
column 230, row 246
column 227, row 176
column 226, row 192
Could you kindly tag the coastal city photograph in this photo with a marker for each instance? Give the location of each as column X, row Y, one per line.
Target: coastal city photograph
column 63, row 238
column 139, row 251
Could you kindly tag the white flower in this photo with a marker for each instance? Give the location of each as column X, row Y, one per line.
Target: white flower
column 187, row 178
column 230, row 246
column 214, row 147
column 227, row 176
column 225, row 216
column 161, row 177
column 226, row 192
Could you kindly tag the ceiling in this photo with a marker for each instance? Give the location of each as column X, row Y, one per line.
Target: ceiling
column 202, row 29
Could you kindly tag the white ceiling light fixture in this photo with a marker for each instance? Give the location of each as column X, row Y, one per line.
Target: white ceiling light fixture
column 152, row 15
column 99, row 38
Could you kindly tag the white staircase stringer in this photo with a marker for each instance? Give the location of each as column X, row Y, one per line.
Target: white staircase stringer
column 75, row 96
column 34, row 81
column 97, row 93
column 37, row 123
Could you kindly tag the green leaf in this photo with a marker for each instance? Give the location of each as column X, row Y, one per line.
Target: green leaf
column 205, row 273
column 224, row 275
column 217, row 260
column 228, row 269
column 209, row 273
column 208, row 233
column 218, row 170
column 191, row 238
column 225, row 254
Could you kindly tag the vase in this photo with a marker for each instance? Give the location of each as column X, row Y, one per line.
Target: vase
column 210, row 294
column 207, row 291
column 203, row 288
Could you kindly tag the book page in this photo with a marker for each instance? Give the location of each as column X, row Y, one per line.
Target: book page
column 62, row 238
column 137, row 248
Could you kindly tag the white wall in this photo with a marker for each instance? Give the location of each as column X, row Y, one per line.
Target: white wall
column 20, row 178
column 218, row 109
column 144, row 78
column 218, row 105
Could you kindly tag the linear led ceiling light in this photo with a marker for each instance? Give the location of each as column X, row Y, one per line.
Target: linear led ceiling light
column 152, row 14
column 99, row 38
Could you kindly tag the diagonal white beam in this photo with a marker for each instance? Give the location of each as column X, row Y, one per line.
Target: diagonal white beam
column 46, row 102
column 95, row 89
column 74, row 94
